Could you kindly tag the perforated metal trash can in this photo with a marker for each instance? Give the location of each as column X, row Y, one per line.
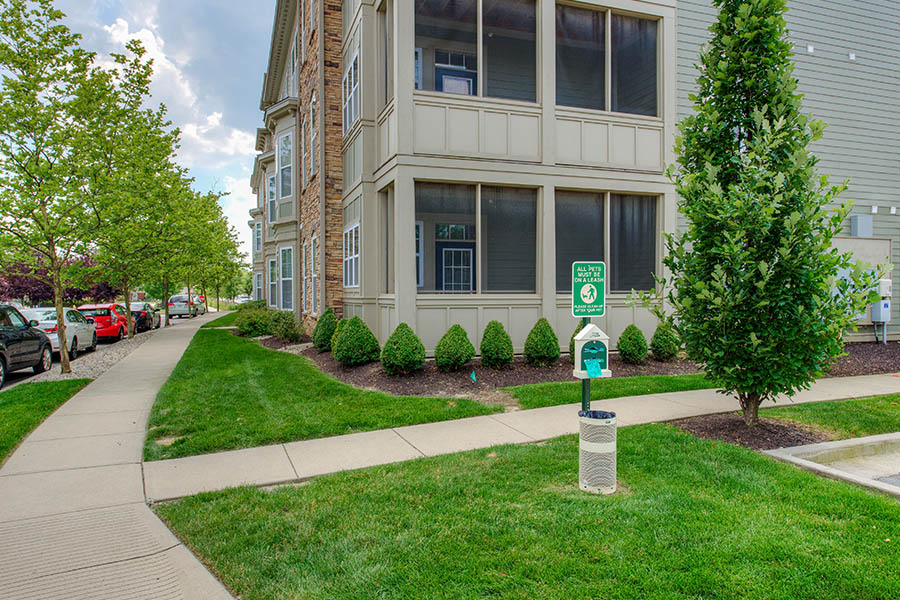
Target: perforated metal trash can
column 597, row 460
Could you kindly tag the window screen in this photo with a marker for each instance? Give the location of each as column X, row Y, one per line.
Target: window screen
column 446, row 54
column 632, row 237
column 510, row 60
column 634, row 75
column 580, row 57
column 446, row 219
column 579, row 233
column 509, row 238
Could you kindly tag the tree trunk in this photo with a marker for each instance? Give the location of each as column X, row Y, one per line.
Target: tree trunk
column 750, row 406
column 217, row 299
column 166, row 299
column 129, row 318
column 64, row 365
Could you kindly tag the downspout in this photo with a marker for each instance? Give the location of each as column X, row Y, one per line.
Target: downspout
column 322, row 136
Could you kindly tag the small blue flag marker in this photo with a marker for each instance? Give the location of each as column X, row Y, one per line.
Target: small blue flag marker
column 472, row 377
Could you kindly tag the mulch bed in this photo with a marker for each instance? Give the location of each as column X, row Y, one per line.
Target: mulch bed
column 867, row 358
column 275, row 343
column 767, row 435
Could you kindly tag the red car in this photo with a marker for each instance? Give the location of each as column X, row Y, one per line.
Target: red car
column 109, row 319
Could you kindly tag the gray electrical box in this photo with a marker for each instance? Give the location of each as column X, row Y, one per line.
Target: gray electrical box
column 861, row 226
column 881, row 311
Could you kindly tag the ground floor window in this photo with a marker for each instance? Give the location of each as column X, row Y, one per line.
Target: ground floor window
column 579, row 232
column 257, row 286
column 351, row 256
column 633, row 238
column 287, row 278
column 314, row 266
column 303, row 275
column 273, row 282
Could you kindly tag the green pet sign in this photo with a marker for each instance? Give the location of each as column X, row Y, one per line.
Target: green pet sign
column 588, row 289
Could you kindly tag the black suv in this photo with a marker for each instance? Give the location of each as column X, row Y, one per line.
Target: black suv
column 21, row 345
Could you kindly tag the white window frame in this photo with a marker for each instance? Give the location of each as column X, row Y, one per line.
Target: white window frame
column 350, row 94
column 273, row 283
column 282, row 167
column 303, row 274
column 461, row 251
column 420, row 259
column 257, row 285
column 257, row 237
column 303, row 150
column 312, row 135
column 351, row 240
column 273, row 198
column 314, row 277
column 282, row 280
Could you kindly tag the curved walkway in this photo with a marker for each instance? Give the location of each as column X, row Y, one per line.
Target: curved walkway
column 74, row 522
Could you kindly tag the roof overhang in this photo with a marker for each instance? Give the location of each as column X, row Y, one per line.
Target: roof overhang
column 282, row 29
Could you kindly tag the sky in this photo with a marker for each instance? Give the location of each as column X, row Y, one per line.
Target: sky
column 209, row 59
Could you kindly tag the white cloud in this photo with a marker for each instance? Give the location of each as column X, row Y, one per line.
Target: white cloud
column 235, row 205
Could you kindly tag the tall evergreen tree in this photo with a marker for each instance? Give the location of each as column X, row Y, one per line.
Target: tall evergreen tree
column 754, row 285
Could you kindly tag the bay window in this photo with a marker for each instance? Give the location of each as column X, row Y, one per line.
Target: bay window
column 273, row 206
column 287, row 278
column 350, row 93
column 351, row 256
column 286, row 164
column 257, row 237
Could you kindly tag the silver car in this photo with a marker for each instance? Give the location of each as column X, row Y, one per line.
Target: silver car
column 81, row 333
column 181, row 306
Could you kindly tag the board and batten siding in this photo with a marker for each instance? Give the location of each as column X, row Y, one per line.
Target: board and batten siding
column 858, row 99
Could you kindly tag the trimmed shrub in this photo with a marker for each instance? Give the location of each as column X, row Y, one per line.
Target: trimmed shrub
column 337, row 331
column 496, row 346
column 324, row 331
column 254, row 323
column 572, row 342
column 665, row 343
column 286, row 327
column 632, row 345
column 454, row 350
column 403, row 352
column 542, row 345
column 252, row 305
column 356, row 345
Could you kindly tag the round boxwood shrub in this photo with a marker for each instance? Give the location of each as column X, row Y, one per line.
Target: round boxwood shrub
column 542, row 345
column 356, row 345
column 572, row 342
column 665, row 343
column 403, row 352
column 338, row 326
column 286, row 327
column 632, row 345
column 324, row 331
column 496, row 346
column 254, row 323
column 454, row 350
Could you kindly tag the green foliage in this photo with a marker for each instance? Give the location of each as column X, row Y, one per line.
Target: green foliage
column 338, row 328
column 632, row 345
column 403, row 352
column 496, row 346
column 753, row 287
column 542, row 345
column 356, row 345
column 323, row 332
column 252, row 305
column 286, row 327
column 665, row 343
column 453, row 350
column 254, row 323
column 572, row 342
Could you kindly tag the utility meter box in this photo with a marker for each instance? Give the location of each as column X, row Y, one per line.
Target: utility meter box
column 591, row 353
column 881, row 311
column 885, row 288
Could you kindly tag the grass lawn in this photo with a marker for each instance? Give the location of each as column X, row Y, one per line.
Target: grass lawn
column 695, row 519
column 845, row 418
column 224, row 321
column 25, row 406
column 228, row 393
column 550, row 394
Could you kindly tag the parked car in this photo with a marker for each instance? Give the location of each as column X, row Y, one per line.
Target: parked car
column 200, row 301
column 145, row 316
column 81, row 333
column 22, row 345
column 111, row 320
column 181, row 306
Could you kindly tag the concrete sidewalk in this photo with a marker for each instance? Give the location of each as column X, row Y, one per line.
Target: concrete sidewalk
column 73, row 518
column 284, row 463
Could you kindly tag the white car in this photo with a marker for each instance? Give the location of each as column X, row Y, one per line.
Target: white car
column 80, row 332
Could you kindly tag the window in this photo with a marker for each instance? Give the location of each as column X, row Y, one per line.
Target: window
column 303, row 151
column 386, row 28
column 579, row 233
column 350, row 94
column 314, row 267
column 273, row 206
column 446, row 50
column 257, row 286
column 273, row 282
column 257, row 237
column 632, row 237
column 420, row 263
column 508, row 239
column 581, row 39
column 285, row 165
column 303, row 30
column 312, row 135
column 303, row 274
column 443, row 208
column 287, row 278
column 351, row 256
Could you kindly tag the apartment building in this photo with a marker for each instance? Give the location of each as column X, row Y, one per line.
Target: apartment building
column 444, row 161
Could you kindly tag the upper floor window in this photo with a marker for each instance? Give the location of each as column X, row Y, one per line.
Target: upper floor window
column 313, row 17
column 581, row 41
column 286, row 164
column 257, row 237
column 273, row 206
column 350, row 93
column 312, row 135
column 446, row 54
column 303, row 150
